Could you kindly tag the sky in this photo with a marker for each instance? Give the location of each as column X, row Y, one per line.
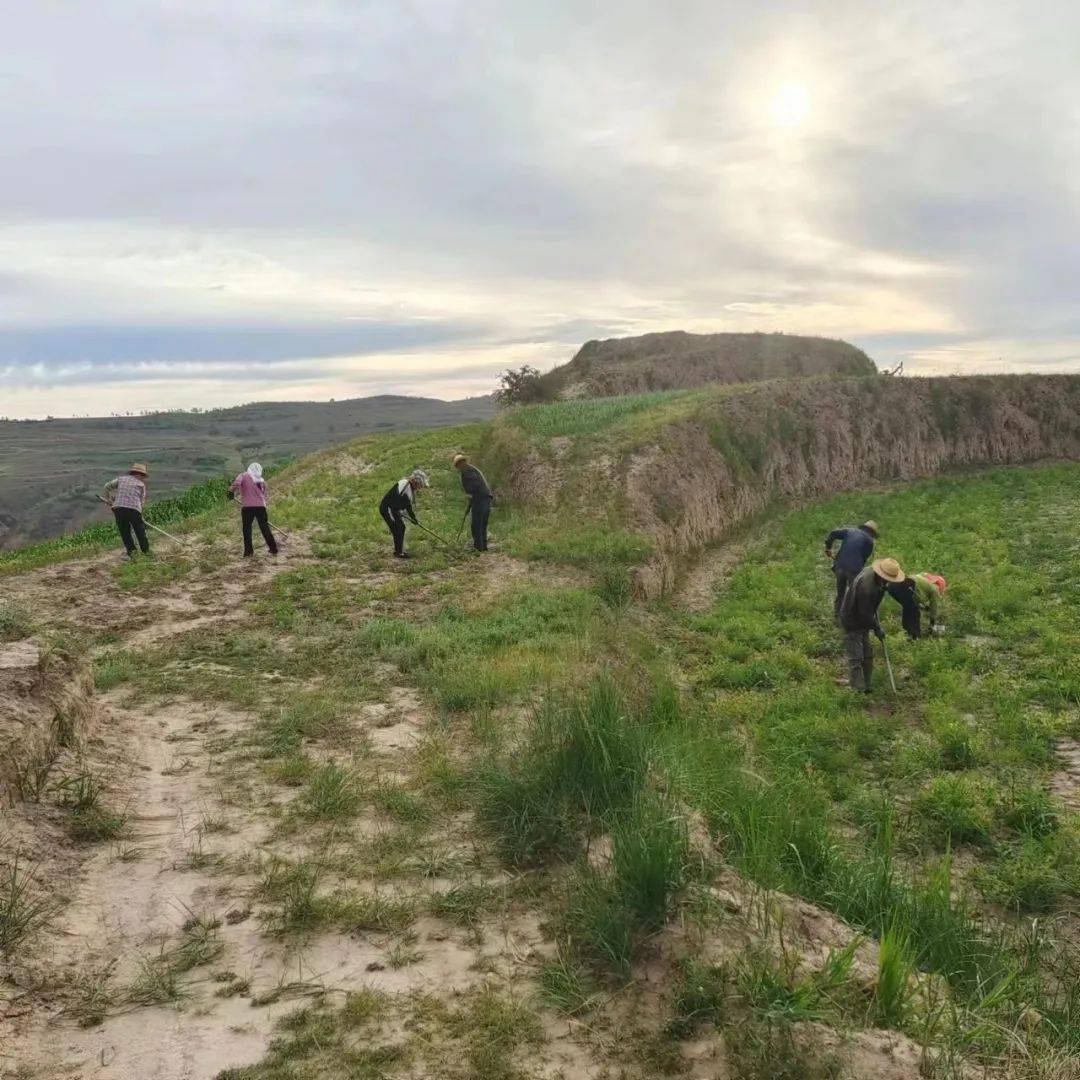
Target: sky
column 203, row 204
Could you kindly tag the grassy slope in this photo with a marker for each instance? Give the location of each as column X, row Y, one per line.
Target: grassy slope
column 50, row 470
column 658, row 720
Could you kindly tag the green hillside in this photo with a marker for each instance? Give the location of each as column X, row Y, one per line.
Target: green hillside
column 499, row 816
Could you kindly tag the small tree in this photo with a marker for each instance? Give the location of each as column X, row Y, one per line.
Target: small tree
column 520, row 387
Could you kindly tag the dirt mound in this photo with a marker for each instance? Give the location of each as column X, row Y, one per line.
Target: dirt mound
column 45, row 703
column 677, row 360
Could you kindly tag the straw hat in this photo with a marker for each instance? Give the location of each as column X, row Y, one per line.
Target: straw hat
column 870, row 527
column 889, row 569
column 139, row 469
column 459, row 459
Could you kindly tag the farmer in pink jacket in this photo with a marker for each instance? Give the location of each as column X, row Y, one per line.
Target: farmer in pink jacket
column 253, row 499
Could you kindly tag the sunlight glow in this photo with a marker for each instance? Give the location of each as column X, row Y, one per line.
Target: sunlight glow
column 790, row 106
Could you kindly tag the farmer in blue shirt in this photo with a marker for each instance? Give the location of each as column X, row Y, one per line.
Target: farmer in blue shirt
column 856, row 547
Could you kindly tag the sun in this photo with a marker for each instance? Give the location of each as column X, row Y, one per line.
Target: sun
column 790, row 105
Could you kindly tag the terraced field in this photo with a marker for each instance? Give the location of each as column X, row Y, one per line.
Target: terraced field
column 344, row 816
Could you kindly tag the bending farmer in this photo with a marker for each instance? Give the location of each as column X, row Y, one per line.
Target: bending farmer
column 476, row 487
column 856, row 546
column 915, row 595
column 859, row 616
column 126, row 495
column 398, row 504
column 253, row 500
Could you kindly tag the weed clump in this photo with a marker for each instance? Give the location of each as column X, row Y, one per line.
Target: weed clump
column 23, row 909
column 15, row 622
column 583, row 760
column 91, row 819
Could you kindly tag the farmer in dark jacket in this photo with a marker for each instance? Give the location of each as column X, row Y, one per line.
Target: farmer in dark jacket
column 856, row 546
column 398, row 504
column 476, row 487
column 859, row 616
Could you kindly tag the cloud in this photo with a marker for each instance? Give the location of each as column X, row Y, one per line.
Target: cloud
column 221, row 200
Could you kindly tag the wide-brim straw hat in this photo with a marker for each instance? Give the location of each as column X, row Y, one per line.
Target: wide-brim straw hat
column 870, row 526
column 139, row 469
column 889, row 569
column 459, row 458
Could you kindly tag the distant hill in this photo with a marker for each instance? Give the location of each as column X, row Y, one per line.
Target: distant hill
column 50, row 469
column 678, row 360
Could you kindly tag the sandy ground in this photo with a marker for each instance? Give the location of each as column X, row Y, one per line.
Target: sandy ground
column 126, row 902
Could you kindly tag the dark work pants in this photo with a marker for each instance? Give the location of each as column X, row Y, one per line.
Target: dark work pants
column 860, row 658
column 481, row 512
column 130, row 521
column 250, row 514
column 843, row 580
column 912, row 619
column 396, row 524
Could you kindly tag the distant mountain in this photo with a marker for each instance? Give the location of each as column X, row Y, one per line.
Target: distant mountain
column 50, row 469
column 677, row 360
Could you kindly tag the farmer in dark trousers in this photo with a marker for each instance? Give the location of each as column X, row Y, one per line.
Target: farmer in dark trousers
column 856, row 546
column 126, row 495
column 476, row 487
column 859, row 616
column 398, row 504
column 253, row 502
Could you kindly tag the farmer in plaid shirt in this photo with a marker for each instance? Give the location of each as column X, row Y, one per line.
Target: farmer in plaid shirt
column 126, row 495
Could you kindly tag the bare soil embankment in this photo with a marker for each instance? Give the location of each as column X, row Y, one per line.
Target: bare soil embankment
column 687, row 483
column 46, row 705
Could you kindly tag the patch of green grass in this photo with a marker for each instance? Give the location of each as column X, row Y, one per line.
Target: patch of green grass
column 15, row 621
column 954, row 809
column 895, row 977
column 586, row 756
column 614, row 588
column 25, row 908
column 585, row 416
column 293, row 770
column 94, row 997
column 159, row 978
column 467, row 904
column 294, row 887
column 495, row 1029
column 650, row 859
column 1033, row 877
column 318, row 1041
column 115, row 668
column 91, row 819
column 567, row 985
column 333, row 793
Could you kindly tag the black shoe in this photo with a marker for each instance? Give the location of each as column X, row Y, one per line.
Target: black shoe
column 402, row 555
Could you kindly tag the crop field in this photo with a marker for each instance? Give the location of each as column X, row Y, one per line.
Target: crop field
column 604, row 814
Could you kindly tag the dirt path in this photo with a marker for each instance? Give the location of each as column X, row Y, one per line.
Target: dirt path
column 161, row 962
column 131, row 905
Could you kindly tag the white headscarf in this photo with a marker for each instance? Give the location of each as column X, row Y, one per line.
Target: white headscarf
column 255, row 472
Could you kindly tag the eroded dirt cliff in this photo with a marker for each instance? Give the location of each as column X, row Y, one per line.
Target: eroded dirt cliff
column 687, row 482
